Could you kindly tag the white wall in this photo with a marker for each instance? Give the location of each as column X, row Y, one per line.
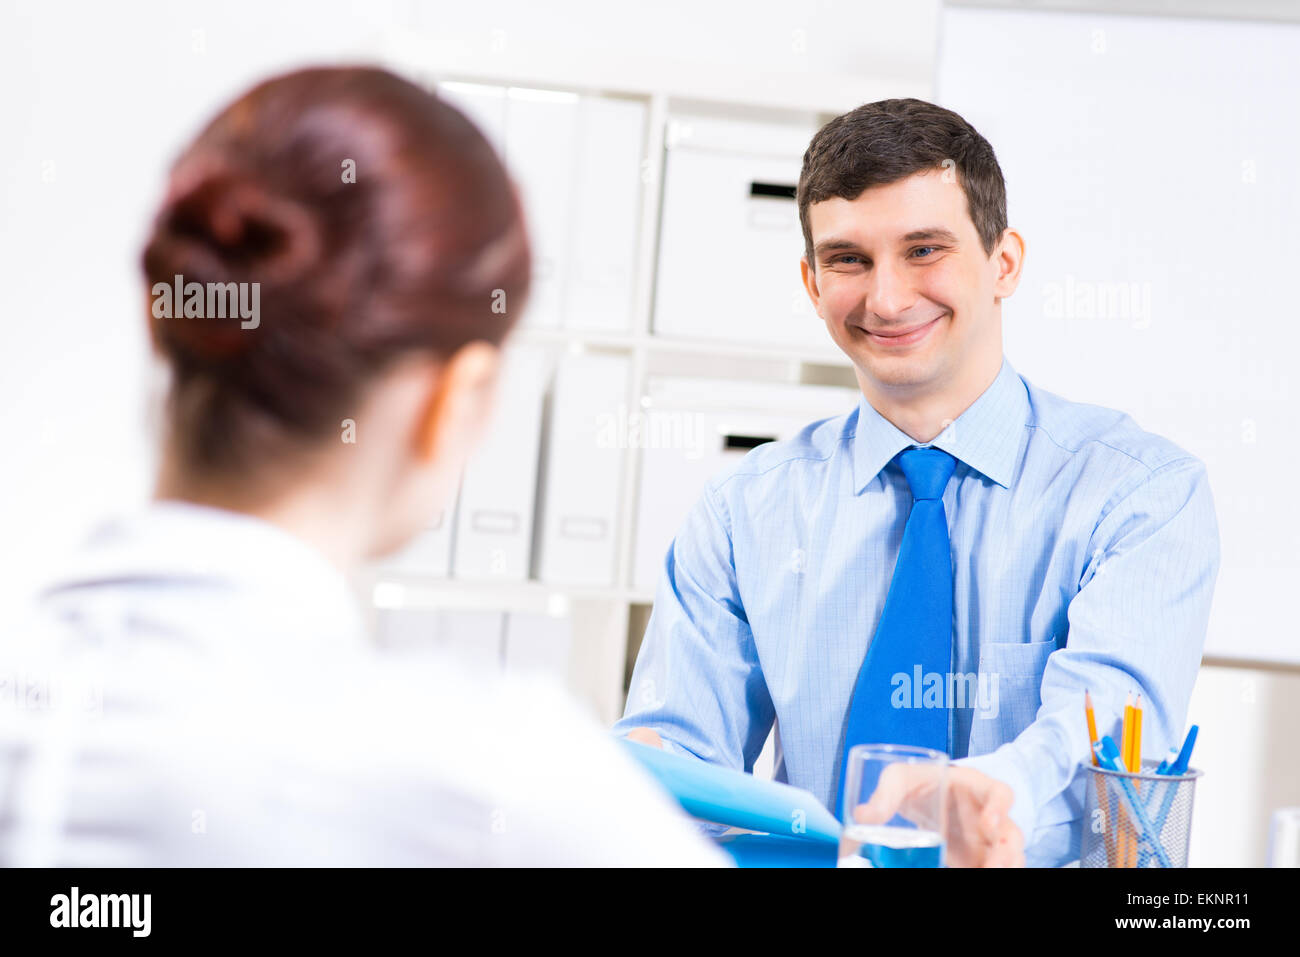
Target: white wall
column 1247, row 748
column 1149, row 163
column 98, row 99
column 1157, row 154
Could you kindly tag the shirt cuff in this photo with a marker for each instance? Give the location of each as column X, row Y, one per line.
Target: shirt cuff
column 672, row 747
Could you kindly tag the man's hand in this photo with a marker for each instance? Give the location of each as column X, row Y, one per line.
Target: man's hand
column 646, row 736
column 977, row 830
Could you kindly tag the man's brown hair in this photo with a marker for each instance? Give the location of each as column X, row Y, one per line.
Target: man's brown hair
column 889, row 140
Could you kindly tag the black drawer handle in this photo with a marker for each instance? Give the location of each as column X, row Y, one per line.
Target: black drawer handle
column 746, row 441
column 775, row 190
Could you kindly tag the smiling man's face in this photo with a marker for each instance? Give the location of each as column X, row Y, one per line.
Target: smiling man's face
column 906, row 289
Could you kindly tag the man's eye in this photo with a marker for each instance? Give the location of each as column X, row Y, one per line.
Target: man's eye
column 919, row 248
column 850, row 259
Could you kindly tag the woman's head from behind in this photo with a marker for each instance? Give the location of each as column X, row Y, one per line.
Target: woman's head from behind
column 337, row 259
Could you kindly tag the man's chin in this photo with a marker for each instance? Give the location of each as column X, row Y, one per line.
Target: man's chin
column 897, row 371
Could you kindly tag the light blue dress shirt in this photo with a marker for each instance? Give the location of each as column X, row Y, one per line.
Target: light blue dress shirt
column 1084, row 551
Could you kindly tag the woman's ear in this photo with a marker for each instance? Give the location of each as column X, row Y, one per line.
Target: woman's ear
column 460, row 405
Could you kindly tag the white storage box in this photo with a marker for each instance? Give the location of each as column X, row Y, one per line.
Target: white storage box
column 578, row 163
column 429, row 553
column 697, row 428
column 538, row 644
column 729, row 241
column 583, row 471
column 494, row 528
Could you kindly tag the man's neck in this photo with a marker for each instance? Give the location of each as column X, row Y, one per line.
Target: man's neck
column 922, row 415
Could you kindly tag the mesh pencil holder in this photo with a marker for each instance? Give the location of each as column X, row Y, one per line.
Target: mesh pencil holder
column 1137, row 820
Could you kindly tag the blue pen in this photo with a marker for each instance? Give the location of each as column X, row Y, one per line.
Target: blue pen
column 1144, row 855
column 1179, row 766
column 1174, row 766
column 1107, row 756
column 1170, row 757
column 1185, row 755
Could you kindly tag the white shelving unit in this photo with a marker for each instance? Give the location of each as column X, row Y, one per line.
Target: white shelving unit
column 604, row 619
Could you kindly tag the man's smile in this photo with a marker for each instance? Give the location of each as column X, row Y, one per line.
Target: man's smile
column 902, row 337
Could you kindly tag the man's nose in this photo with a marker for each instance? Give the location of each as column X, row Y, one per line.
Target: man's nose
column 889, row 293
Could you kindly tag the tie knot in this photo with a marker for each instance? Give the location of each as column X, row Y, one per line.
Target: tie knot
column 927, row 471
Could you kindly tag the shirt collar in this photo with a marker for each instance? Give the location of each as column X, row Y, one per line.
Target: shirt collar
column 986, row 437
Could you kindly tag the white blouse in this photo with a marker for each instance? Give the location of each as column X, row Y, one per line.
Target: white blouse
column 197, row 689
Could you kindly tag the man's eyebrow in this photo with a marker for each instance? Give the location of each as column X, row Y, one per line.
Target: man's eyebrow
column 827, row 245
column 928, row 233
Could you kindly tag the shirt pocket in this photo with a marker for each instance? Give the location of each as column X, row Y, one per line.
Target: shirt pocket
column 1010, row 691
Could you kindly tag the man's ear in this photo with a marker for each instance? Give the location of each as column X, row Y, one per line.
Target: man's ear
column 809, row 275
column 461, row 402
column 1010, row 258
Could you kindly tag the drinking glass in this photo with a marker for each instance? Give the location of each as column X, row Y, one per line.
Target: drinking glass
column 905, row 826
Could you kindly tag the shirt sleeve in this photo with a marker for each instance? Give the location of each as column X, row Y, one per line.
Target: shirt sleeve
column 697, row 679
column 1136, row 624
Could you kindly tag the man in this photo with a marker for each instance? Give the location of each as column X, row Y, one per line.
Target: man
column 1030, row 548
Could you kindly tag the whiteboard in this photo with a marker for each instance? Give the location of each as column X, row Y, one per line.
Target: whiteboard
column 1151, row 167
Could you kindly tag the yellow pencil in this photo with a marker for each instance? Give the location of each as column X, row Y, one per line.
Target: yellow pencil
column 1135, row 761
column 1101, row 790
column 1092, row 724
column 1126, row 736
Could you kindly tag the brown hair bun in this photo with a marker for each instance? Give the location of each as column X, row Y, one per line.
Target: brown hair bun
column 225, row 228
column 373, row 219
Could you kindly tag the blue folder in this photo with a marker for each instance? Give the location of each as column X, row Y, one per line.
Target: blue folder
column 773, row 850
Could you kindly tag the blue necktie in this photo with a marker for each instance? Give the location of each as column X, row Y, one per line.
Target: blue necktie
column 914, row 637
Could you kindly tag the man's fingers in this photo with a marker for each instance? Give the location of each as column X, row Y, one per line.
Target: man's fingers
column 998, row 798
column 1009, row 849
column 891, row 790
column 646, row 736
column 898, row 785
